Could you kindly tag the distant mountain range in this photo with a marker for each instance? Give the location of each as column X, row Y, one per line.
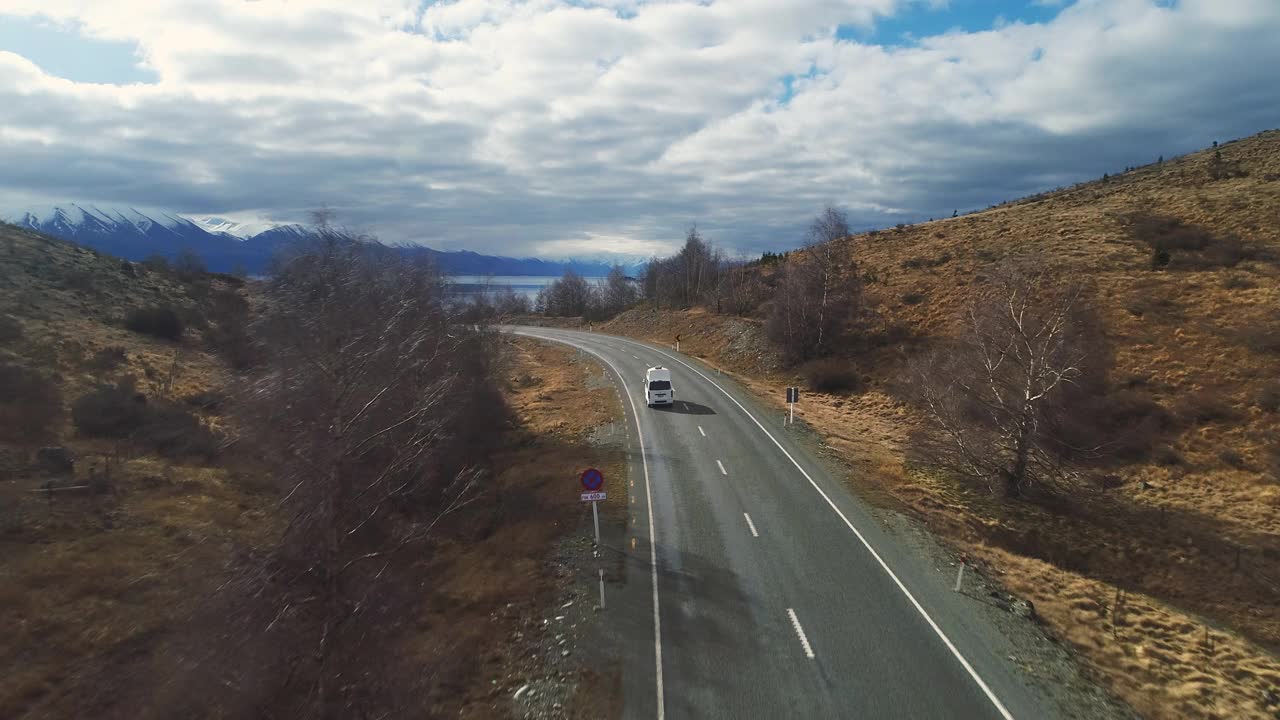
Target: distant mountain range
column 226, row 245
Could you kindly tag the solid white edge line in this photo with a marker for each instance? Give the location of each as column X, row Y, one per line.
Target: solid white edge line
column 751, row 525
column 804, row 639
column 955, row 652
column 704, row 432
column 721, row 466
column 653, row 543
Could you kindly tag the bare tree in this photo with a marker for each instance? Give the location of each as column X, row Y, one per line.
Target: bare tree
column 740, row 290
column 569, row 296
column 819, row 298
column 690, row 277
column 617, row 292
column 508, row 302
column 991, row 396
column 362, row 412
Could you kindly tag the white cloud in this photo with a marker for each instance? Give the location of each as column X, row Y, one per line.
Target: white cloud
column 555, row 127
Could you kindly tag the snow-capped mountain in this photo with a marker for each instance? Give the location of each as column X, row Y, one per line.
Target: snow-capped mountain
column 136, row 234
column 75, row 218
column 234, row 228
column 227, row 245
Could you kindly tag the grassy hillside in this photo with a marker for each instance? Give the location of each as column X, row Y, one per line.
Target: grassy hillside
column 119, row 569
column 1163, row 566
column 132, row 536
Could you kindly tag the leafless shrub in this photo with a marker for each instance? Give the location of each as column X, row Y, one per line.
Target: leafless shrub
column 188, row 266
column 1118, row 425
column 1236, row 281
column 227, row 313
column 1232, row 458
column 209, row 401
column 1167, row 456
column 110, row 411
column 156, row 263
column 1178, row 245
column 921, row 261
column 160, row 321
column 107, row 359
column 1205, row 406
column 1261, row 339
column 174, row 432
column 30, row 404
column 1222, row 169
column 830, row 375
column 991, row 396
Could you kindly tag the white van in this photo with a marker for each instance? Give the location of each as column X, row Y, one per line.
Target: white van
column 657, row 387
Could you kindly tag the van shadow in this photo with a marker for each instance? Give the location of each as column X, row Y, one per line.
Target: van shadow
column 683, row 407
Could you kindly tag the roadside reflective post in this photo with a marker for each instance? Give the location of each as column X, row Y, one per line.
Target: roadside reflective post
column 793, row 397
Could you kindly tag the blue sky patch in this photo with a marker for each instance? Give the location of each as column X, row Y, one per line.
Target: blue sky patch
column 920, row 20
column 64, row 51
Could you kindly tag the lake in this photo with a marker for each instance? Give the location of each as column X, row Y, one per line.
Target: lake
column 527, row 285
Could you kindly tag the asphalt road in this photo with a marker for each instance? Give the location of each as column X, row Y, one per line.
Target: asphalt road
column 759, row 587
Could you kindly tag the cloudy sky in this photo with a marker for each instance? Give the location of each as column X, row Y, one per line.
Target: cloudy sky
column 573, row 127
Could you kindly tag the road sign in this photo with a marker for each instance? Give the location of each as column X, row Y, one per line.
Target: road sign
column 592, row 479
column 592, row 496
column 793, row 397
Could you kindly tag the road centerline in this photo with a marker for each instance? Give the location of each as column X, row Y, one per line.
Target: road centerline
column 751, row 525
column 704, row 432
column 804, row 639
column 721, row 466
column 946, row 641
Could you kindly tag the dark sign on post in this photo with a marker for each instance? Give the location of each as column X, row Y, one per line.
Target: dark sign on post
column 793, row 397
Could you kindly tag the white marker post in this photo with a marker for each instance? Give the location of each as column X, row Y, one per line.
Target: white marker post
column 602, row 589
column 964, row 560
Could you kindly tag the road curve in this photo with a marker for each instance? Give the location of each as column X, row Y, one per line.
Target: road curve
column 759, row 587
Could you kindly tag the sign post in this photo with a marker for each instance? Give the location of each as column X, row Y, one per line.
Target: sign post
column 592, row 481
column 677, row 342
column 793, row 397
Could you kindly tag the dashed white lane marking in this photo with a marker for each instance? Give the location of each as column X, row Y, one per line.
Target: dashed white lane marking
column 751, row 525
column 636, row 357
column 804, row 640
column 704, row 432
column 955, row 652
column 722, row 470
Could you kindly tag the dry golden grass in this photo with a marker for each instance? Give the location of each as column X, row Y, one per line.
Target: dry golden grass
column 1168, row 534
column 96, row 587
column 492, row 578
column 92, row 581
